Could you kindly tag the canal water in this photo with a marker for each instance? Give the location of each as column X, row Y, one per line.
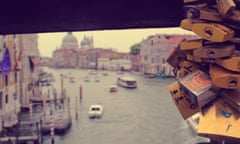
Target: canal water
column 146, row 115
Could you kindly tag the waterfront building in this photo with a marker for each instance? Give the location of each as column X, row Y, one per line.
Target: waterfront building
column 29, row 69
column 45, row 61
column 83, row 59
column 66, row 56
column 155, row 50
column 104, row 63
column 9, row 82
column 136, row 62
column 120, row 64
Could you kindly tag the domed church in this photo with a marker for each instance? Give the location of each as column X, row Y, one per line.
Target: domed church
column 69, row 41
column 86, row 43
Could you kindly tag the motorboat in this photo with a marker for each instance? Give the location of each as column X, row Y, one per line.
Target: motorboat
column 149, row 76
column 92, row 72
column 120, row 72
column 95, row 111
column 113, row 88
column 96, row 78
column 105, row 74
column 86, row 79
column 71, row 80
column 127, row 82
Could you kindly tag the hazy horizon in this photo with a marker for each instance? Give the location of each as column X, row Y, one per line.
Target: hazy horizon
column 120, row 40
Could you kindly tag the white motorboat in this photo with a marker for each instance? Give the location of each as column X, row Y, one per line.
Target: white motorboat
column 127, row 82
column 95, row 111
column 113, row 88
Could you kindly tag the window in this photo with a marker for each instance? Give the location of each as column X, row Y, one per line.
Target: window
column 6, row 99
column 6, row 80
column 15, row 77
column 1, row 105
column 152, row 60
column 145, row 58
column 163, row 60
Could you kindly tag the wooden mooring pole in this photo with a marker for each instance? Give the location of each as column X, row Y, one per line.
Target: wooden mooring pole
column 76, row 108
column 52, row 129
column 81, row 96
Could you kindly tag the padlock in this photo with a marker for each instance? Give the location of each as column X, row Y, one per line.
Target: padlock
column 194, row 44
column 232, row 63
column 234, row 18
column 176, row 57
column 190, row 57
column 232, row 97
column 193, row 12
column 185, row 107
column 225, row 7
column 198, row 85
column 197, row 82
column 220, row 122
column 187, row 24
column 191, row 44
column 186, row 68
column 213, row 31
column 223, row 78
column 199, row 3
column 215, row 51
column 210, row 31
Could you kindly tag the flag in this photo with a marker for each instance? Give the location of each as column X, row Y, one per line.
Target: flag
column 17, row 65
column 5, row 64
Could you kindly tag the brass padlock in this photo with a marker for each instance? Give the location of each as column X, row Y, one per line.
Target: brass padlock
column 193, row 12
column 234, row 17
column 190, row 57
column 220, row 122
column 186, row 68
column 213, row 31
column 194, row 44
column 225, row 7
column 191, row 44
column 187, row 24
column 214, row 51
column 210, row 31
column 232, row 97
column 176, row 57
column 223, row 78
column 185, row 107
column 232, row 63
column 200, row 4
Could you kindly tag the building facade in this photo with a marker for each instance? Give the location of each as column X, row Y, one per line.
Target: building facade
column 155, row 50
column 29, row 72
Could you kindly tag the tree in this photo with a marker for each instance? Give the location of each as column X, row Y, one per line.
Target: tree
column 135, row 49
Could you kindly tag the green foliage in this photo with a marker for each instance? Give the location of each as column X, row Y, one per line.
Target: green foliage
column 135, row 49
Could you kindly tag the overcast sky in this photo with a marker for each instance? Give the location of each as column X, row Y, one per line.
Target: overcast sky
column 121, row 40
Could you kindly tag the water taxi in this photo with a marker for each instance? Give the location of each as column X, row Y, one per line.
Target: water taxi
column 113, row 88
column 95, row 111
column 127, row 82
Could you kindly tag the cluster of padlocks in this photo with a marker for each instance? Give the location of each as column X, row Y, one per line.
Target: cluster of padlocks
column 207, row 69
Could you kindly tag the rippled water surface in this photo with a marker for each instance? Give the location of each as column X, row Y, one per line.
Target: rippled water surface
column 146, row 115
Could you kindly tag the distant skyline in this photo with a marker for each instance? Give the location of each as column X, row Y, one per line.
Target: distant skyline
column 120, row 40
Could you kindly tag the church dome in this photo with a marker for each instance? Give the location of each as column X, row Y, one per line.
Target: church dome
column 69, row 41
column 86, row 43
